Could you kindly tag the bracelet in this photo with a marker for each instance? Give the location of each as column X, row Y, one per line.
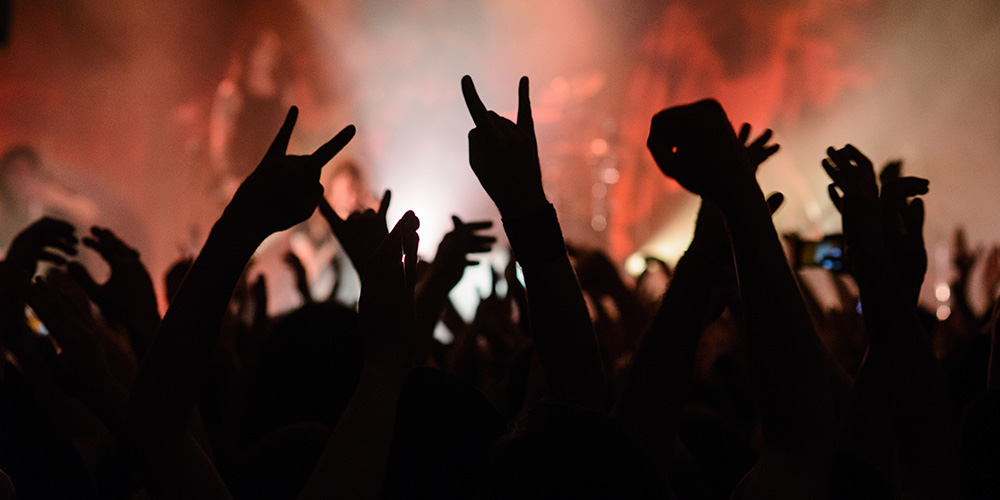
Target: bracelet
column 535, row 238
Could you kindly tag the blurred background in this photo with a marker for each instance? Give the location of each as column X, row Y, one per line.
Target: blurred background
column 145, row 115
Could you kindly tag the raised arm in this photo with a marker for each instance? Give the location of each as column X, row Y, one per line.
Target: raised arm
column 283, row 191
column 650, row 406
column 361, row 233
column 128, row 296
column 884, row 237
column 450, row 261
column 695, row 145
column 504, row 156
column 354, row 461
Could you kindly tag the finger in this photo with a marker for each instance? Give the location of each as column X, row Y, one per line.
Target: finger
column 331, row 216
column 483, row 240
column 475, row 105
column 475, row 148
column 891, row 171
column 110, row 246
column 838, row 157
column 524, row 119
column 456, row 222
column 405, row 231
column 478, row 225
column 744, row 133
column 762, row 140
column 409, row 222
column 383, row 205
column 857, row 157
column 327, row 151
column 100, row 246
column 63, row 246
column 83, row 277
column 904, row 187
column 770, row 150
column 835, row 197
column 47, row 256
column 280, row 144
column 51, row 225
column 478, row 249
column 774, row 201
column 832, row 171
column 480, row 245
column 411, row 241
column 662, row 140
column 55, row 233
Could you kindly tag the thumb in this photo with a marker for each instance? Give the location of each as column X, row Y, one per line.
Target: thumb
column 774, row 201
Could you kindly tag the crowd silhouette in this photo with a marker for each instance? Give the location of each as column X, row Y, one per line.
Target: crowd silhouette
column 570, row 382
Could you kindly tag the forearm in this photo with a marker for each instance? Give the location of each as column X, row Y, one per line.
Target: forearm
column 428, row 305
column 166, row 387
column 912, row 381
column 560, row 324
column 660, row 378
column 786, row 358
column 354, row 460
column 865, row 427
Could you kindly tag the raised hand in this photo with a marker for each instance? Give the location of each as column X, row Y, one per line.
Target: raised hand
column 696, row 146
column 361, row 233
column 354, row 462
column 902, row 228
column 284, row 189
column 886, row 217
column 900, row 356
column 128, row 297
column 855, row 194
column 385, row 308
column 36, row 244
column 449, row 265
column 504, row 154
column 758, row 151
column 455, row 248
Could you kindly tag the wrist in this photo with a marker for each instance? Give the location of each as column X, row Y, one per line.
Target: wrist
column 535, row 237
column 747, row 198
column 523, row 207
column 236, row 231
